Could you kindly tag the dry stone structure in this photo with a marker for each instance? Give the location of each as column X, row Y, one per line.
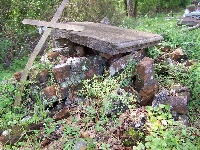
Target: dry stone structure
column 81, row 55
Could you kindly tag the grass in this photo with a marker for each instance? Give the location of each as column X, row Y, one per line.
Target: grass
column 100, row 113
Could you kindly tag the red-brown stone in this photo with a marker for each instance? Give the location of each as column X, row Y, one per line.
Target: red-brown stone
column 61, row 72
column 122, row 62
column 52, row 56
column 49, row 91
column 148, row 92
column 18, row 75
column 177, row 54
column 62, row 114
column 139, row 55
column 179, row 103
column 43, row 76
column 90, row 73
column 107, row 56
column 114, row 58
column 119, row 64
column 145, row 71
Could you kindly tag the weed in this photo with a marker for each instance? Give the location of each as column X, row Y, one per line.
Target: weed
column 167, row 134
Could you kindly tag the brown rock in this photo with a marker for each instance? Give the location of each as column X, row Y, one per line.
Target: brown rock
column 165, row 48
column 18, row 75
column 114, row 58
column 145, row 71
column 84, row 134
column 139, row 55
column 179, row 103
column 90, row 73
column 63, row 92
column 50, row 95
column 119, row 64
column 16, row 133
column 50, row 91
column 43, row 76
column 176, row 54
column 122, row 62
column 148, row 92
column 52, row 56
column 62, row 114
column 78, row 68
column 61, row 72
column 180, row 98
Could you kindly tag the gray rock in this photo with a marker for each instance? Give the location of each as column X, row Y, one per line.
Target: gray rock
column 160, row 98
column 81, row 144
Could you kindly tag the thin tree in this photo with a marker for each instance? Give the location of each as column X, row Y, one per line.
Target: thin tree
column 131, row 7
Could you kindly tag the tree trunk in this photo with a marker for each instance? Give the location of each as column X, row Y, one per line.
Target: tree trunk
column 132, row 8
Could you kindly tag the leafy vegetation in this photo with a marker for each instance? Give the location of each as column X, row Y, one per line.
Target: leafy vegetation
column 104, row 103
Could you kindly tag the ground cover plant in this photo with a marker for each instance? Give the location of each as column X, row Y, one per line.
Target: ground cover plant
column 108, row 116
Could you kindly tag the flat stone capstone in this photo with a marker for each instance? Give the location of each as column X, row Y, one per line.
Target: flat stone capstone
column 108, row 39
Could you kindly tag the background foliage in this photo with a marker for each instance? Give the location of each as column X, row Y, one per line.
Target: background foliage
column 17, row 40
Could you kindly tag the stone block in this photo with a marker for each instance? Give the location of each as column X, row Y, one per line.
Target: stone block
column 107, row 56
column 179, row 104
column 74, row 70
column 115, row 58
column 122, row 62
column 147, row 93
column 61, row 72
column 145, row 71
column 109, row 39
column 62, row 114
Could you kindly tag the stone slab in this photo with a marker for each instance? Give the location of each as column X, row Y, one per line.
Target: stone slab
column 108, row 39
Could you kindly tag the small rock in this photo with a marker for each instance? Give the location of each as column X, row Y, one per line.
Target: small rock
column 26, row 118
column 6, row 132
column 50, row 95
column 140, row 54
column 183, row 119
column 160, row 98
column 165, row 48
column 107, row 56
column 177, row 54
column 80, row 145
column 118, row 65
column 105, row 20
column 52, row 56
column 18, row 75
column 148, row 92
column 62, row 114
column 170, row 62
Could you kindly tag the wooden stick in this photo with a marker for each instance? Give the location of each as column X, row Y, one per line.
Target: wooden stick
column 37, row 50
